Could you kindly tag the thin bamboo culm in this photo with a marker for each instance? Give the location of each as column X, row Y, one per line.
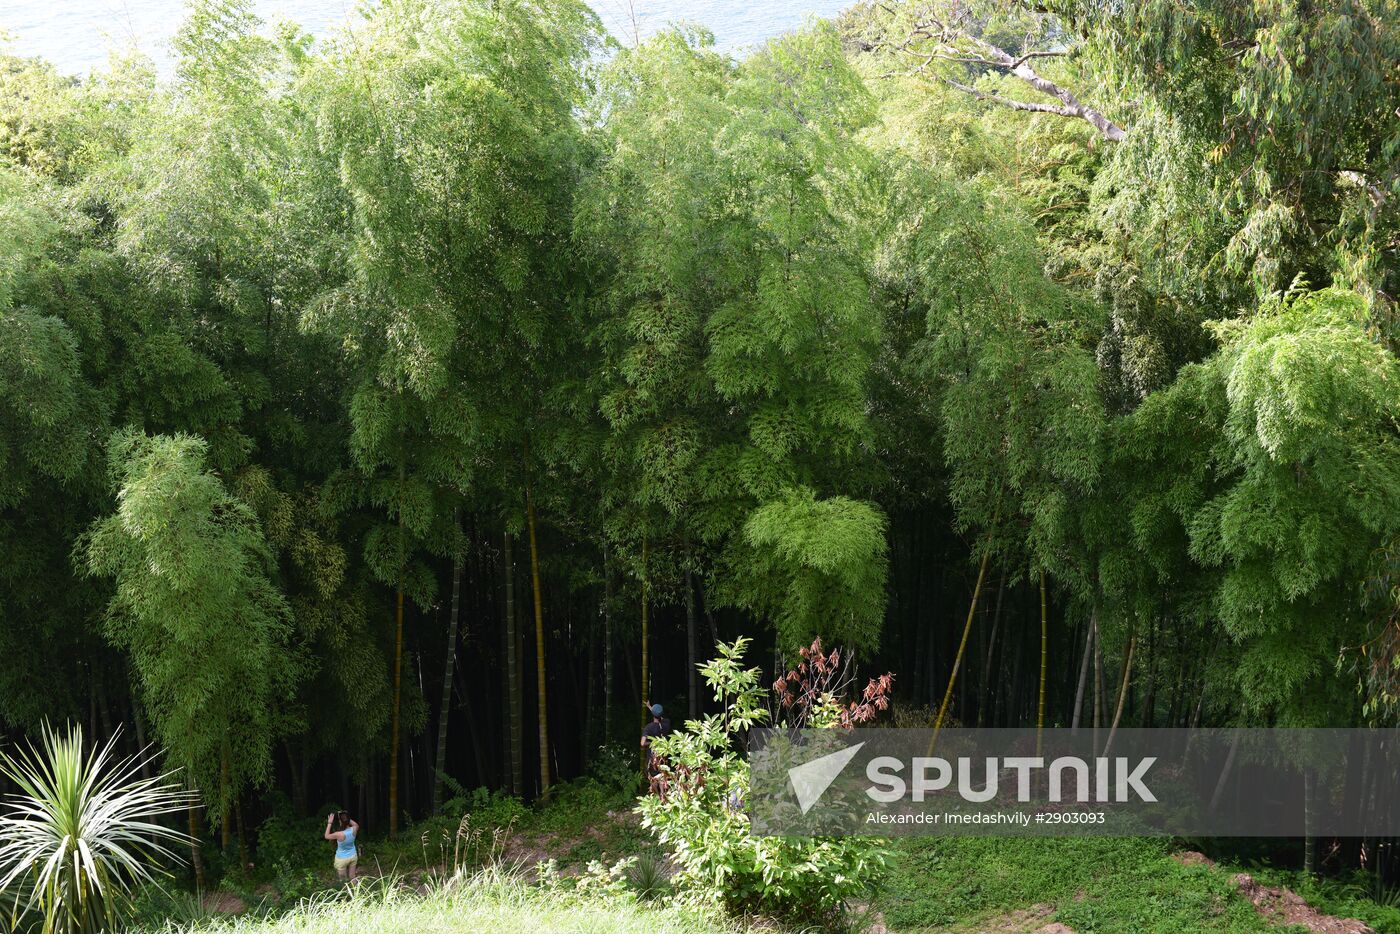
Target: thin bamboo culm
column 1044, row 651
column 541, row 696
column 646, row 671
column 962, row 649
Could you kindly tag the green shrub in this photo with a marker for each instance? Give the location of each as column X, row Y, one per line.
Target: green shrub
column 573, row 807
column 615, row 768
column 493, row 809
column 596, row 881
column 295, row 883
column 456, row 805
column 287, row 843
column 702, row 816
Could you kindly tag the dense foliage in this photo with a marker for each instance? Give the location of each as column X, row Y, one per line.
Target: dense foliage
column 700, row 813
column 467, row 335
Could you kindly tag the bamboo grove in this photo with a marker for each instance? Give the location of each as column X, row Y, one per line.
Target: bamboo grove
column 405, row 406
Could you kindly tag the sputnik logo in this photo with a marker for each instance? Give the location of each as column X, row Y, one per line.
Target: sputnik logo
column 811, row 779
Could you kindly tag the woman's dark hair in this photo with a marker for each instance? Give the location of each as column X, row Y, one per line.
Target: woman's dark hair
column 342, row 821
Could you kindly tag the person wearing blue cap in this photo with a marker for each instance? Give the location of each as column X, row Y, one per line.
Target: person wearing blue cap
column 658, row 727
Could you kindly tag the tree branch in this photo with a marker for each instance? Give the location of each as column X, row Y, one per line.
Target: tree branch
column 1013, row 104
column 1021, row 68
column 1357, row 179
column 983, row 52
column 1030, row 55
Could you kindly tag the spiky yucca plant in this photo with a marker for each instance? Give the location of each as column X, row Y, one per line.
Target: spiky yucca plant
column 78, row 838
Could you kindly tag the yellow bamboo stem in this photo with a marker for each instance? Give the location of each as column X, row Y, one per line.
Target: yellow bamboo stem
column 541, row 699
column 1122, row 692
column 962, row 648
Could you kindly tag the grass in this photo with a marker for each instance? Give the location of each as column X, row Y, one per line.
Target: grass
column 959, row 885
column 1098, row 885
column 488, row 901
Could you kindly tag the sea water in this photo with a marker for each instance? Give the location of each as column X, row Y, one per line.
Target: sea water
column 76, row 35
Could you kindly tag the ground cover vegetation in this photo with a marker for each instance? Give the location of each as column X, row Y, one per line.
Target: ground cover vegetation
column 389, row 414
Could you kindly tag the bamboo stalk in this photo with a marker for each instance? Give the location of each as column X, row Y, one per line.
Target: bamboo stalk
column 394, row 727
column 225, row 794
column 196, row 852
column 607, row 647
column 962, row 648
column 1098, row 683
column 541, row 698
column 1083, row 671
column 1122, row 692
column 1149, row 701
column 517, row 725
column 242, row 836
column 1225, row 770
column 445, row 702
column 646, row 671
column 1044, row 651
column 692, row 674
column 1309, row 838
column 991, row 653
column 139, row 720
column 394, row 730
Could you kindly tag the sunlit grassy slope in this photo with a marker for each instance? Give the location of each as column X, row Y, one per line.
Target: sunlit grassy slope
column 1106, row 886
column 482, row 905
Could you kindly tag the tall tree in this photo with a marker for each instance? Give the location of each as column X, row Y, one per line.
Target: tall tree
column 451, row 268
column 194, row 604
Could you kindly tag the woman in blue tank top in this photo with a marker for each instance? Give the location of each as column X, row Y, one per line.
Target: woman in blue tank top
column 345, row 833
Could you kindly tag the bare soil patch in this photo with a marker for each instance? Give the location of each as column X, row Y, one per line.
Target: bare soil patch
column 1032, row 920
column 1282, row 906
column 1279, row 905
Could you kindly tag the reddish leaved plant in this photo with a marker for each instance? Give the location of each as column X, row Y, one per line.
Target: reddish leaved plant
column 820, row 674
